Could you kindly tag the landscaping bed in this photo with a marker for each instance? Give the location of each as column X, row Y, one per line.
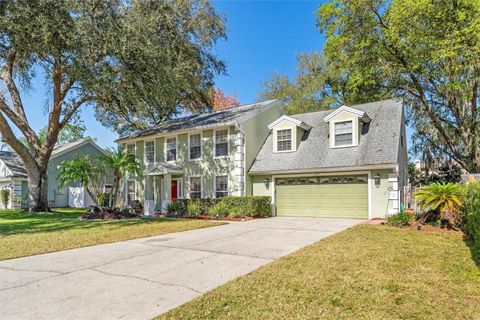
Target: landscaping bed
column 226, row 208
column 97, row 213
column 210, row 217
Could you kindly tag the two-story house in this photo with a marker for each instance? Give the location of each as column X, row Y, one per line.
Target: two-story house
column 348, row 162
column 202, row 155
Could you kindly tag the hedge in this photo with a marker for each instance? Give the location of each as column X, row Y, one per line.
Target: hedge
column 471, row 210
column 254, row 206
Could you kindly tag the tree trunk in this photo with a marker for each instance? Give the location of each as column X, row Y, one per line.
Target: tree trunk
column 37, row 189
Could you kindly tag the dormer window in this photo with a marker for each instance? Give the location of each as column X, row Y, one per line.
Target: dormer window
column 343, row 133
column 284, row 140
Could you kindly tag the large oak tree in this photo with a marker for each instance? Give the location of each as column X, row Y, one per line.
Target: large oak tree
column 133, row 61
column 427, row 51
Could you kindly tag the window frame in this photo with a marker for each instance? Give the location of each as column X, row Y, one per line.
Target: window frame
column 189, row 146
column 166, row 148
column 134, row 148
column 190, row 186
column 127, row 192
column 352, row 143
column 277, row 140
column 145, row 151
column 227, row 191
column 215, row 143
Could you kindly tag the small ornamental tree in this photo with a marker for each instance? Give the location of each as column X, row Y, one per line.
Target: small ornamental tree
column 5, row 197
column 121, row 163
column 222, row 101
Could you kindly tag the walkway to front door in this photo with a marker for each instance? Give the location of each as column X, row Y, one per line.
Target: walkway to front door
column 142, row 278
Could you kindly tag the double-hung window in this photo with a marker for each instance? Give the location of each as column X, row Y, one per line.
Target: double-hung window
column 343, row 133
column 221, row 143
column 171, row 149
column 195, row 144
column 131, row 148
column 284, row 140
column 221, row 186
column 149, row 151
column 195, row 187
column 130, row 191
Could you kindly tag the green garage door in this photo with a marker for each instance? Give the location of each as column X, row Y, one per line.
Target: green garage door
column 330, row 197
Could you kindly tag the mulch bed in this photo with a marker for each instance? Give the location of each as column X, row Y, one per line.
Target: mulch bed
column 202, row 217
column 97, row 213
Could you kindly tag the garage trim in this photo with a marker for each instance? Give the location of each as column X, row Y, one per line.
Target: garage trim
column 343, row 173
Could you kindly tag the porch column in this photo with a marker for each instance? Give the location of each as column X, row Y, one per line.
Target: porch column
column 167, row 190
column 149, row 205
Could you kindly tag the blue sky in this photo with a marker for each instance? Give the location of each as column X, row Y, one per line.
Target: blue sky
column 263, row 37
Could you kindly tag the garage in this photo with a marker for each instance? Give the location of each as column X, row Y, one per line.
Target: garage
column 329, row 197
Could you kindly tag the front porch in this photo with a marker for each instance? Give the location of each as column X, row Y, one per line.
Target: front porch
column 163, row 183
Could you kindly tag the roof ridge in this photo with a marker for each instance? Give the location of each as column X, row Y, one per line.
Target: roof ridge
column 354, row 106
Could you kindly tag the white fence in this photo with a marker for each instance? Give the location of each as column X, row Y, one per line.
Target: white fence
column 78, row 198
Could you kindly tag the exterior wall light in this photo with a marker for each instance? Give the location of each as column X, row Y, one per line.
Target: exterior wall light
column 267, row 183
column 377, row 180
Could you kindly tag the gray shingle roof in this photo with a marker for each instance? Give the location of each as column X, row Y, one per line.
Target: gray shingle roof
column 14, row 164
column 222, row 117
column 379, row 142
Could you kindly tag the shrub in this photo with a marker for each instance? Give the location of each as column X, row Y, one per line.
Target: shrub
column 441, row 200
column 103, row 199
column 401, row 219
column 255, row 206
column 5, row 197
column 176, row 208
column 204, row 204
column 471, row 210
column 193, row 208
column 219, row 210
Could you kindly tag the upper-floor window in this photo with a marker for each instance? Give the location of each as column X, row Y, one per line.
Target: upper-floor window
column 131, row 148
column 284, row 140
column 149, row 151
column 195, row 145
column 221, row 143
column 343, row 133
column 221, row 186
column 171, row 148
column 195, row 187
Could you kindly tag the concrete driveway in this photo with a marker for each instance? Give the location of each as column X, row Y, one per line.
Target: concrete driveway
column 139, row 279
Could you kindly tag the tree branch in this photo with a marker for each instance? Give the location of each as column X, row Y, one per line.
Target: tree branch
column 7, row 76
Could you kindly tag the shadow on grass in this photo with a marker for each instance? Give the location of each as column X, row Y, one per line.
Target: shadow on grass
column 474, row 249
column 17, row 222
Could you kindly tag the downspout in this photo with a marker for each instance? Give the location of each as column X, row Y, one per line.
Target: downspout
column 239, row 128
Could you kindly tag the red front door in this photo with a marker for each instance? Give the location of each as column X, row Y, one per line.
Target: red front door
column 174, row 190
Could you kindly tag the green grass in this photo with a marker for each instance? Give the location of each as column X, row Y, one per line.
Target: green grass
column 24, row 234
column 366, row 272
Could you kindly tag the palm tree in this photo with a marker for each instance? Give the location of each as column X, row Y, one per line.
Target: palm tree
column 120, row 162
column 441, row 200
column 84, row 169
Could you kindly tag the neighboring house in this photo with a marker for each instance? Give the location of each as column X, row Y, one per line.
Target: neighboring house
column 347, row 162
column 13, row 175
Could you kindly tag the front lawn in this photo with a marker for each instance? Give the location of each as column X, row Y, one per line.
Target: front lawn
column 24, row 234
column 366, row 272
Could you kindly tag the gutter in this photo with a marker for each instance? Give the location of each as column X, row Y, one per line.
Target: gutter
column 330, row 169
